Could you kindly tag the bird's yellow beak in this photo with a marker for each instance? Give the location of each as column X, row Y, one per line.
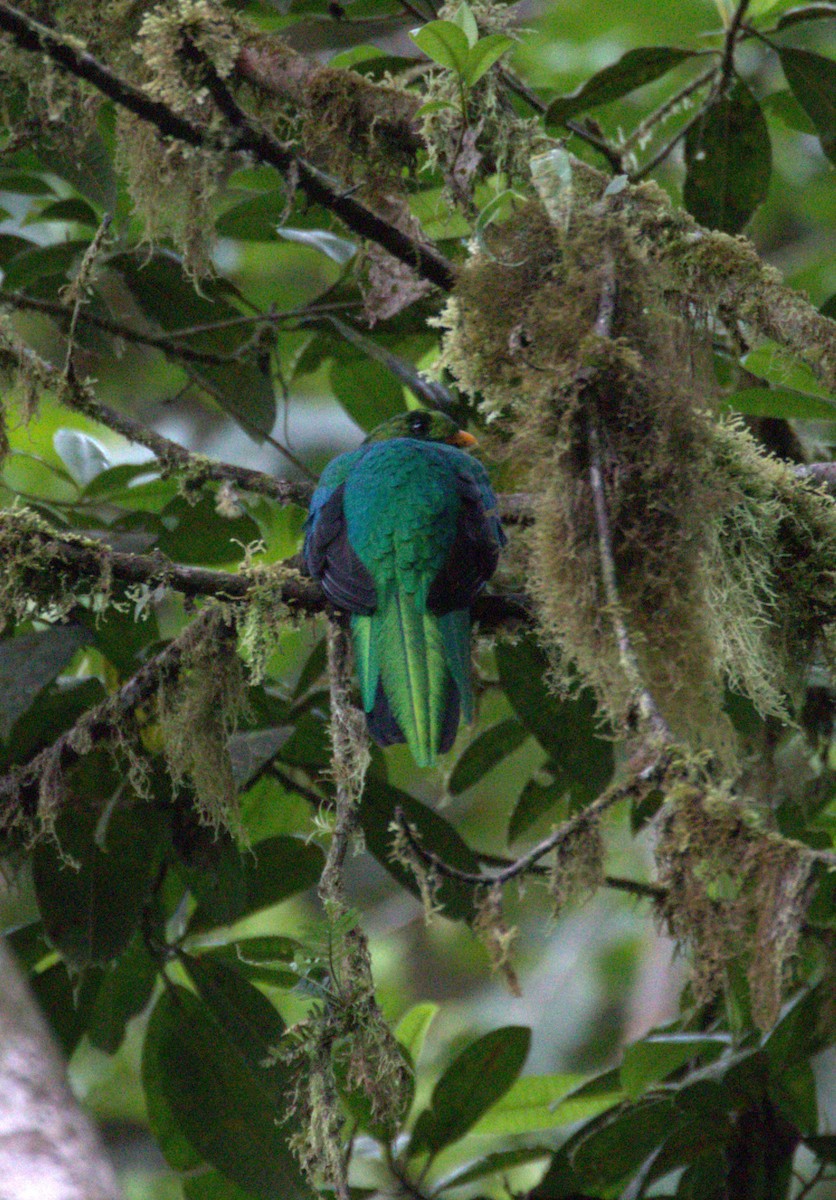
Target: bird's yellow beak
column 462, row 439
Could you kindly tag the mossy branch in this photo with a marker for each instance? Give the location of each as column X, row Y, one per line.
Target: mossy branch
column 603, row 328
column 51, row 564
column 244, row 137
column 20, row 788
column 643, row 780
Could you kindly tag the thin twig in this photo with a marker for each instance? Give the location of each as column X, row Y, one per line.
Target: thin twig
column 598, row 142
column 727, row 62
column 627, row 656
column 246, row 137
column 650, row 122
column 638, row 785
column 52, row 308
column 663, row 152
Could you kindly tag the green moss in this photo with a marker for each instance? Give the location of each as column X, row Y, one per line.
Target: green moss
column 736, row 892
column 198, row 710
column 725, row 563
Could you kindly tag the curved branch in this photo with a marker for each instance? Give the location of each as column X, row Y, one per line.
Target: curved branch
column 637, row 786
column 45, row 554
column 245, row 137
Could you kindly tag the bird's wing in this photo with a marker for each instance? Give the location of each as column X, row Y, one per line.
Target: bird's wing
column 328, row 553
column 474, row 553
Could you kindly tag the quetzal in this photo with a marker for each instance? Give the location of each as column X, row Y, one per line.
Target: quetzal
column 403, row 534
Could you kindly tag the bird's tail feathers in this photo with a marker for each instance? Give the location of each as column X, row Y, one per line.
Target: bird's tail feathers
column 414, row 673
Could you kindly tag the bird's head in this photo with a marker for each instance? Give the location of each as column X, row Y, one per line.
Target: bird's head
column 426, row 426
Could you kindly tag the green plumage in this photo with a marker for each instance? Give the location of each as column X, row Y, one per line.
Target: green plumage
column 387, row 525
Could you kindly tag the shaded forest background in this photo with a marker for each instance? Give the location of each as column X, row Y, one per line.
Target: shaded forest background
column 590, row 954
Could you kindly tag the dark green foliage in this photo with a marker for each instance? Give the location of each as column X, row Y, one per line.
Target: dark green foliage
column 157, row 929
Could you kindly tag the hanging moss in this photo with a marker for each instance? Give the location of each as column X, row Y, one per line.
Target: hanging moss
column 736, row 892
column 496, row 935
column 172, row 185
column 577, row 869
column 198, row 710
column 725, row 562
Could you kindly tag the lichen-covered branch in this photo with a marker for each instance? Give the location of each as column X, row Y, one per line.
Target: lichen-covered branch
column 244, row 137
column 641, row 781
column 603, row 328
column 42, row 563
column 51, row 567
column 28, row 793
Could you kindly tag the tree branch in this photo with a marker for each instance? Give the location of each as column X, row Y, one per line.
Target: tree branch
column 245, row 137
column 19, row 789
column 638, row 785
column 40, row 555
column 629, row 663
column 48, row 1146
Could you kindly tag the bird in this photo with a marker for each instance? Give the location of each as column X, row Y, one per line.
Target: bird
column 403, row 533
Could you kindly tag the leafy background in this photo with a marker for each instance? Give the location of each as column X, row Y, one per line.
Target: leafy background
column 176, row 1074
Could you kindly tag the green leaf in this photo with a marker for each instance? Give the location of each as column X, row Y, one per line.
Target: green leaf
column 377, row 811
column 807, row 12
column 213, row 1099
column 493, row 1164
column 42, row 261
column 211, row 1185
column 434, row 106
column 264, row 959
column 473, row 1082
column 728, row 159
column 73, row 209
column 778, row 367
column 529, row 1106
column 250, row 752
column 812, row 78
column 126, row 987
column 798, row 1032
column 254, row 219
column 780, row 402
column 368, row 392
column 339, row 250
column 90, row 913
column 445, row 43
column 65, row 1001
column 464, row 18
column 786, row 108
column 11, row 245
column 413, row 1027
column 484, row 54
column 28, row 663
column 55, row 710
column 823, row 1146
column 581, row 760
column 619, row 1145
column 485, row 752
column 24, row 184
column 247, row 1018
column 633, row 70
column 229, row 883
column 81, row 454
column 658, row 1055
column 534, row 802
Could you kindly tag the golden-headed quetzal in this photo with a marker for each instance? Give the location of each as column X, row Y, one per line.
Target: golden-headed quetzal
column 403, row 534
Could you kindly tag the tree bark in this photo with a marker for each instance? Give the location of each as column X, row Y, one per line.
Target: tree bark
column 49, row 1149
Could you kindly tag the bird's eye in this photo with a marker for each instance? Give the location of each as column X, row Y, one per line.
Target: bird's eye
column 419, row 424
